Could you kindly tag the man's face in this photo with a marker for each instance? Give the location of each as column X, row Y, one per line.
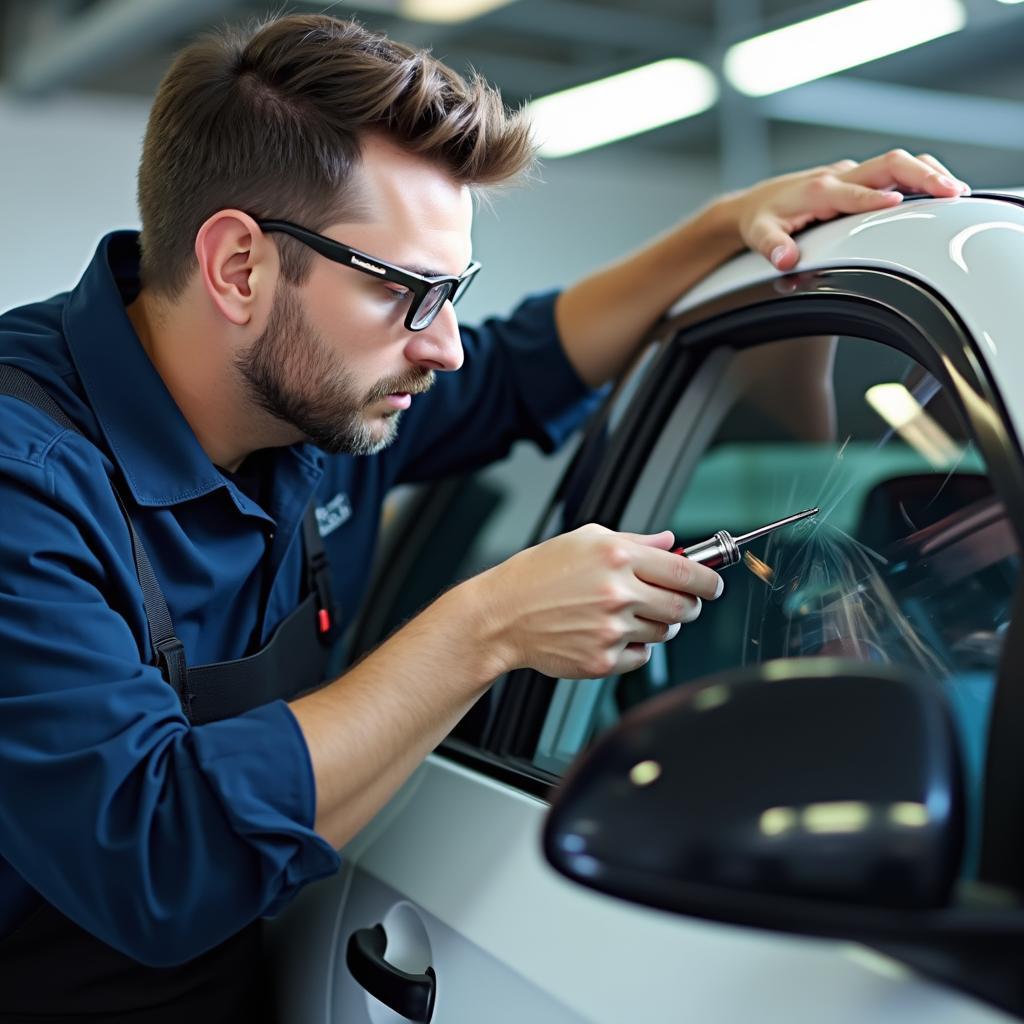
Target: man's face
column 335, row 360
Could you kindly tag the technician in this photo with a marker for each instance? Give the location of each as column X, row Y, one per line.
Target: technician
column 194, row 446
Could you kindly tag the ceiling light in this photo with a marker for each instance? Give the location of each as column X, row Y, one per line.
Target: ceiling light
column 626, row 104
column 833, row 42
column 447, row 11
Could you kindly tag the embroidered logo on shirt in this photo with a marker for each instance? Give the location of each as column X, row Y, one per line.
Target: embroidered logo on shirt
column 334, row 514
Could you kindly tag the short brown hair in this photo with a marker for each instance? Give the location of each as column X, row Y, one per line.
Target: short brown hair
column 269, row 120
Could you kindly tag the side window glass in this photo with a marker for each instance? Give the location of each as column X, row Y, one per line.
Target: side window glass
column 912, row 560
column 564, row 507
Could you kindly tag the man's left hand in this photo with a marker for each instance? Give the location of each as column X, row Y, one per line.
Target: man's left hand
column 768, row 214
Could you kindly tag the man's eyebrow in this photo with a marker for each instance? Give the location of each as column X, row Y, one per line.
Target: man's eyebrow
column 427, row 272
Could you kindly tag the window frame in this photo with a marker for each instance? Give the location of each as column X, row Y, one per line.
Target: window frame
column 881, row 306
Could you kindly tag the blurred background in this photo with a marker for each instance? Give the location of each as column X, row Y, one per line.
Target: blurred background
column 690, row 98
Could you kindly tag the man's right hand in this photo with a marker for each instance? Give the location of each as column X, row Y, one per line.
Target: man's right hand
column 589, row 603
column 583, row 605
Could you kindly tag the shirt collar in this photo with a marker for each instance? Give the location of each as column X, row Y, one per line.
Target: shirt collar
column 156, row 450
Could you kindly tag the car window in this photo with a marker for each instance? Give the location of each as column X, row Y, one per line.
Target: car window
column 911, row 561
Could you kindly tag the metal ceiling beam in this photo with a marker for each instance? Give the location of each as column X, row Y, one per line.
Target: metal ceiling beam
column 903, row 111
column 579, row 24
column 102, row 35
column 604, row 26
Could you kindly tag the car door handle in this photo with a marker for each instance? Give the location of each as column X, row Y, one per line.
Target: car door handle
column 411, row 995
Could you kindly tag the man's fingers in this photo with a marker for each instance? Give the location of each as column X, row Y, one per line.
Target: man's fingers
column 841, row 166
column 647, row 632
column 848, row 197
column 678, row 573
column 634, row 656
column 667, row 607
column 942, row 169
column 663, row 540
column 898, row 169
column 768, row 237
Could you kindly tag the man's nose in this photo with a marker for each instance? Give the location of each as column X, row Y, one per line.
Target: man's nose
column 439, row 346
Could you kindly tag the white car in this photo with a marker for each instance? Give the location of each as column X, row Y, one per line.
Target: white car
column 883, row 382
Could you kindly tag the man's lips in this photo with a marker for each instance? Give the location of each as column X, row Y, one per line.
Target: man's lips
column 399, row 400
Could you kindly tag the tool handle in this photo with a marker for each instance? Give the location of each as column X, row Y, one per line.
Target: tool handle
column 717, row 552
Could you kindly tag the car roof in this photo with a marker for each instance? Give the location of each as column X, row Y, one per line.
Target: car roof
column 970, row 250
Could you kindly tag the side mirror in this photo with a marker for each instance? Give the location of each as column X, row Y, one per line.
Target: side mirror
column 809, row 795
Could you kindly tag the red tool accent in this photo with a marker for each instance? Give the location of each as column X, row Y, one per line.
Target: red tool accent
column 324, row 619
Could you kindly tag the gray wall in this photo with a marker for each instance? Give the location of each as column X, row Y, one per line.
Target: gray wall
column 68, row 175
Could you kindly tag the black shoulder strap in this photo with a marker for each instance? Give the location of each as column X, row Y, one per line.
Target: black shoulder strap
column 168, row 649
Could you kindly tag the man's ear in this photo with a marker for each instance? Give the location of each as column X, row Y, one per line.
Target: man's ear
column 238, row 266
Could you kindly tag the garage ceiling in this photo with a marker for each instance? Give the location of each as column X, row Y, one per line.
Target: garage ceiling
column 961, row 96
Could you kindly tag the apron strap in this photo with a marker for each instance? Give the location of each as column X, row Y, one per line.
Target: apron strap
column 169, row 652
column 167, row 648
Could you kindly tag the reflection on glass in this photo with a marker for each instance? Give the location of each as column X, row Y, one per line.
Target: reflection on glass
column 902, row 411
column 911, row 561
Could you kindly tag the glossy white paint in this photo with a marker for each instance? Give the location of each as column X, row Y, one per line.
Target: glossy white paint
column 970, row 250
column 465, row 850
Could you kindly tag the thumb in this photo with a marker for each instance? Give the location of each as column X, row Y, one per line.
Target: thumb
column 769, row 239
column 663, row 540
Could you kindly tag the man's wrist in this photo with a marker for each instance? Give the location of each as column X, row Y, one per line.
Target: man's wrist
column 712, row 235
column 474, row 614
column 720, row 221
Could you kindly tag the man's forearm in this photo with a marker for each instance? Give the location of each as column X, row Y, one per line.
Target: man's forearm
column 585, row 604
column 367, row 731
column 602, row 319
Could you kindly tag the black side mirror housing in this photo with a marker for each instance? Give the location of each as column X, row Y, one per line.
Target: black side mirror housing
column 811, row 795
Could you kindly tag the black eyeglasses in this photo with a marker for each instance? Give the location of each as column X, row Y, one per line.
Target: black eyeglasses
column 428, row 293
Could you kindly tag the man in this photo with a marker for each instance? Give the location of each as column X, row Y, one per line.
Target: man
column 171, row 772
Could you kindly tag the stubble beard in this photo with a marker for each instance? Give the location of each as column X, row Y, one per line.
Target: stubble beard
column 291, row 373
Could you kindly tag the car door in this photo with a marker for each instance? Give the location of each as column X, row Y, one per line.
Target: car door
column 726, row 422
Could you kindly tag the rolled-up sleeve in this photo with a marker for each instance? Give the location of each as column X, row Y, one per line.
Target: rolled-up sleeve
column 516, row 383
column 159, row 838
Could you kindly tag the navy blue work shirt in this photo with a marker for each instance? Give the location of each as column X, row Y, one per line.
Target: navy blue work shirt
column 160, row 838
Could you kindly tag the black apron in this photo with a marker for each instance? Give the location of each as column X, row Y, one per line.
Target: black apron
column 51, row 970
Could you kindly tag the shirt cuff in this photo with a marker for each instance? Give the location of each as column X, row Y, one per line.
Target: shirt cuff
column 259, row 764
column 556, row 395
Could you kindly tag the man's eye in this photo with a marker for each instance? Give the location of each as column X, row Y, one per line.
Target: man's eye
column 396, row 294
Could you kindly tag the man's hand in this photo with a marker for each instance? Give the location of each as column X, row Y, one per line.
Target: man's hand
column 590, row 602
column 769, row 213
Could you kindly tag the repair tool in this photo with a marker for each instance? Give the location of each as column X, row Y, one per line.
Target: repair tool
column 723, row 549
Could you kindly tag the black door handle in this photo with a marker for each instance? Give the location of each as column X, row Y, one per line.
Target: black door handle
column 411, row 995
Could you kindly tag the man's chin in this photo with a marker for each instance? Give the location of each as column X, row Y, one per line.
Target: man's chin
column 373, row 436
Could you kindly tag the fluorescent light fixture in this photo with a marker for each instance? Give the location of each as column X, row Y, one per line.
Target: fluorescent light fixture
column 447, row 11
column 834, row 42
column 626, row 104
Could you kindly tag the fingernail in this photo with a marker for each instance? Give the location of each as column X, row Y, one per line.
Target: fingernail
column 720, row 589
column 777, row 254
column 947, row 182
column 963, row 186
